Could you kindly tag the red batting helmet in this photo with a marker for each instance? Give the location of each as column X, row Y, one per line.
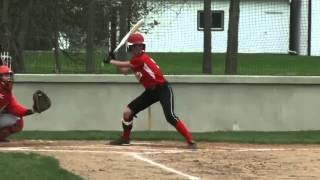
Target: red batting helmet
column 135, row 38
column 6, row 76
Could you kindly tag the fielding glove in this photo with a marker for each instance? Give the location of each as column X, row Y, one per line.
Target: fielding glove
column 41, row 101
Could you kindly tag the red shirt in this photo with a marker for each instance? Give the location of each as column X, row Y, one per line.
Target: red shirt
column 8, row 103
column 147, row 71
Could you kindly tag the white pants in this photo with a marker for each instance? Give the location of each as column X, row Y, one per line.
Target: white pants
column 7, row 120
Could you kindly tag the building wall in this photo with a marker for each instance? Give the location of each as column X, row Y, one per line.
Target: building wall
column 264, row 27
column 205, row 103
column 315, row 39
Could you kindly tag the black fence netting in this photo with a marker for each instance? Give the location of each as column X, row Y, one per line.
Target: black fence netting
column 274, row 37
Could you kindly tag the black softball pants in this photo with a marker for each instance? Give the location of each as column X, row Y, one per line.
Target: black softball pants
column 162, row 93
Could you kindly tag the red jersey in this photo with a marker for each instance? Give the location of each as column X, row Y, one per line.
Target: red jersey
column 8, row 103
column 147, row 71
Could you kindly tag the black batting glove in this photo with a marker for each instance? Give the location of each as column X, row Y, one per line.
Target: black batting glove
column 108, row 58
column 29, row 112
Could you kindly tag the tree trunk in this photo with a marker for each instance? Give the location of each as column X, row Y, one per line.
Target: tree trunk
column 21, row 29
column 107, row 43
column 57, row 67
column 90, row 64
column 113, row 33
column 123, row 26
column 232, row 49
column 5, row 39
column 207, row 56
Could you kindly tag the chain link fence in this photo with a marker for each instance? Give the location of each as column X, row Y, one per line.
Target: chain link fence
column 274, row 37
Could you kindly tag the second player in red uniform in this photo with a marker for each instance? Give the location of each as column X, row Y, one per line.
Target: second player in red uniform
column 11, row 112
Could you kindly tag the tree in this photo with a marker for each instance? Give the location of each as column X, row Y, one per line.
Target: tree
column 123, row 24
column 86, row 24
column 90, row 30
column 54, row 29
column 5, row 37
column 55, row 40
column 206, row 64
column 19, row 31
column 232, row 49
column 25, row 26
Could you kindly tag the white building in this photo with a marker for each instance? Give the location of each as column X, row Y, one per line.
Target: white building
column 264, row 27
column 315, row 33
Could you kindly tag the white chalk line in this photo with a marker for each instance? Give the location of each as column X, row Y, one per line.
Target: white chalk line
column 221, row 148
column 141, row 150
column 135, row 155
column 27, row 149
column 19, row 149
column 115, row 150
column 135, row 147
column 145, row 149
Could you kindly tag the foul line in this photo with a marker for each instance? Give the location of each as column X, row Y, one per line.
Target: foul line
column 163, row 167
column 26, row 149
column 47, row 149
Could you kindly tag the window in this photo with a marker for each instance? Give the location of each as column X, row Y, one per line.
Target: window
column 217, row 20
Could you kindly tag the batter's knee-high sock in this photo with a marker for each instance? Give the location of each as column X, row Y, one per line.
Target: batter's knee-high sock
column 127, row 126
column 182, row 129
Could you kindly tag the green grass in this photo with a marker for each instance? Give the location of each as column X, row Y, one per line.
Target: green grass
column 42, row 62
column 290, row 137
column 187, row 63
column 20, row 166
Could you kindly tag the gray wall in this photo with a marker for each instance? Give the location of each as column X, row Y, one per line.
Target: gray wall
column 205, row 103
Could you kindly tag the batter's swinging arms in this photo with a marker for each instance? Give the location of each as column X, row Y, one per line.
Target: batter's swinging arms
column 156, row 87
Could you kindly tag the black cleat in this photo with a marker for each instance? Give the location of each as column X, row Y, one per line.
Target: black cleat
column 192, row 145
column 120, row 142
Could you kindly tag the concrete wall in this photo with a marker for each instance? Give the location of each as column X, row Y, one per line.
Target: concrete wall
column 205, row 103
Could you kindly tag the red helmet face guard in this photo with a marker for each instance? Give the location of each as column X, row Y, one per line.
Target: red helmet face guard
column 139, row 48
column 136, row 44
column 7, row 81
column 6, row 77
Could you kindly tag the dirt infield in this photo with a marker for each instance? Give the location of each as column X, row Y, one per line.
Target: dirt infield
column 95, row 160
